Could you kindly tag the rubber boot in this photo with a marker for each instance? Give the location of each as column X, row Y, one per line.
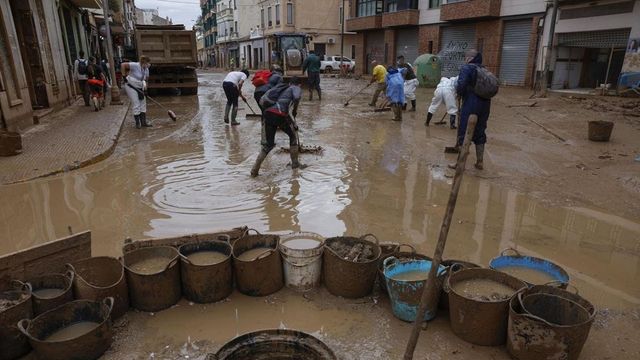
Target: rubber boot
column 319, row 95
column 404, row 107
column 397, row 110
column 479, row 156
column 143, row 120
column 226, row 113
column 295, row 163
column 413, row 105
column 429, row 117
column 452, row 121
column 310, row 95
column 256, row 166
column 137, row 119
column 234, row 113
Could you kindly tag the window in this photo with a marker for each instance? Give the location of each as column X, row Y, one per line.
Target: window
column 434, row 4
column 368, row 7
column 353, row 51
column 262, row 18
column 397, row 5
column 277, row 14
column 236, row 26
column 270, row 23
column 289, row 14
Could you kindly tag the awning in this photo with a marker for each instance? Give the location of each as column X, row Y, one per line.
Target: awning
column 604, row 39
column 89, row 4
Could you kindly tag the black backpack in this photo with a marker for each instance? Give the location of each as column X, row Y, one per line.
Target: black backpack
column 486, row 83
column 82, row 67
column 271, row 96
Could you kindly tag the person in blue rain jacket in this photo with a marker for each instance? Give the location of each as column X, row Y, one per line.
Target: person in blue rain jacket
column 395, row 91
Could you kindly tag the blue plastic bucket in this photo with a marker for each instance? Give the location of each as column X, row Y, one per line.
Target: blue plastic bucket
column 405, row 294
column 555, row 273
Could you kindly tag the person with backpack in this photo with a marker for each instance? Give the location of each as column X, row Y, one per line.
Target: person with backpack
column 135, row 76
column 80, row 74
column 476, row 86
column 264, row 80
column 312, row 66
column 96, row 81
column 277, row 102
column 445, row 92
column 232, row 86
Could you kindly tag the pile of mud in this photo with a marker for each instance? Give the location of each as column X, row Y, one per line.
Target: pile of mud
column 358, row 252
column 604, row 104
column 9, row 299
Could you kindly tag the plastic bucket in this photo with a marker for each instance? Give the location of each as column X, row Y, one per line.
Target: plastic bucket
column 405, row 294
column 51, row 291
column 476, row 321
column 261, row 275
column 275, row 344
column 101, row 277
column 400, row 255
column 158, row 288
column 600, row 130
column 302, row 260
column 451, row 265
column 15, row 303
column 85, row 345
column 528, row 266
column 206, row 283
column 349, row 278
column 548, row 323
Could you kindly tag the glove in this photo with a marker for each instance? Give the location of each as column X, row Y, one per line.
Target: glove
column 144, row 85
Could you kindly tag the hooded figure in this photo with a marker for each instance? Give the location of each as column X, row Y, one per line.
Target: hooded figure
column 472, row 104
column 395, row 91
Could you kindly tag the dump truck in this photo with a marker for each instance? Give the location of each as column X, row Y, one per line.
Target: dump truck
column 290, row 52
column 173, row 54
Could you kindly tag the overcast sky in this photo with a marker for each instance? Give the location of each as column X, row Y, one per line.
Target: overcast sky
column 180, row 11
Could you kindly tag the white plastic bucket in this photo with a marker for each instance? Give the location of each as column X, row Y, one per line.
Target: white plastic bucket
column 302, row 260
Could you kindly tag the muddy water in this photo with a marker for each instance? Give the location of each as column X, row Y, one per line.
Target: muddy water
column 374, row 176
column 253, row 254
column 483, row 289
column 72, row 331
column 531, row 276
column 48, row 293
column 301, row 244
column 206, row 258
column 411, row 276
column 150, row 266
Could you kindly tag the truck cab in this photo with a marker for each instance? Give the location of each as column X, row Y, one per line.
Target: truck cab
column 289, row 52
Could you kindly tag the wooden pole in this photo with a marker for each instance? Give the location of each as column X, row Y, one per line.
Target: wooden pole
column 428, row 300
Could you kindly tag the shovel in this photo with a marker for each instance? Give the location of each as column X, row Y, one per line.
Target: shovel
column 250, row 108
column 354, row 95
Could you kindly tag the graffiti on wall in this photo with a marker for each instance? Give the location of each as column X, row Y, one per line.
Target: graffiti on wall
column 452, row 56
column 630, row 77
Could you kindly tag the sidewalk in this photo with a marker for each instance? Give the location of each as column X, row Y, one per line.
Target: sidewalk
column 73, row 137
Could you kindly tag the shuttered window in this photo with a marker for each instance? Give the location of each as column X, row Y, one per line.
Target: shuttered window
column 515, row 52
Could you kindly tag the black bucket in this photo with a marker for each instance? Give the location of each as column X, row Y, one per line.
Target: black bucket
column 204, row 283
column 275, row 345
column 262, row 275
column 51, row 291
column 88, row 344
column 451, row 266
column 16, row 304
column 157, row 289
column 600, row 130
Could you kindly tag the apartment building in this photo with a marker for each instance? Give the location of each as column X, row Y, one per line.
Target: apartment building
column 505, row 31
column 209, row 32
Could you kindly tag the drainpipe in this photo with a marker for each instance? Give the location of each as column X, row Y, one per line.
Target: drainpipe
column 547, row 58
column 342, row 38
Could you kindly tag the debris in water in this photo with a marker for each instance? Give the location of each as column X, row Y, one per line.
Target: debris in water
column 358, row 252
column 305, row 149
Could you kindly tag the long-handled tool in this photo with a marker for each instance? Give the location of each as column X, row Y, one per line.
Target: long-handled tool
column 250, row 108
column 357, row 93
column 441, row 120
column 384, row 106
column 429, row 298
column 171, row 114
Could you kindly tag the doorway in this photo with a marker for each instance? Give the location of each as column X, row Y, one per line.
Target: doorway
column 320, row 49
column 30, row 52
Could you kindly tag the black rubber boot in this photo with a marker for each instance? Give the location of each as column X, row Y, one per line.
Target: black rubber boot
column 404, row 106
column 452, row 121
column 143, row 120
column 310, row 95
column 319, row 95
column 479, row 157
column 429, row 117
column 256, row 166
column 234, row 113
column 137, row 119
column 226, row 113
column 413, row 105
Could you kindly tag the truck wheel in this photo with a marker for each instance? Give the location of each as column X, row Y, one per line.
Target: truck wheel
column 189, row 91
column 328, row 70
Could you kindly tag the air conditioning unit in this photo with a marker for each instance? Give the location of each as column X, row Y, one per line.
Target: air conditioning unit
column 331, row 40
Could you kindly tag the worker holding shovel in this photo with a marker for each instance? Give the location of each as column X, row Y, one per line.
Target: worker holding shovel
column 277, row 102
column 232, row 86
column 136, row 75
column 379, row 75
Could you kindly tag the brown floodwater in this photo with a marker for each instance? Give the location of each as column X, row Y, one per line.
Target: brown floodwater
column 374, row 176
column 72, row 331
column 203, row 258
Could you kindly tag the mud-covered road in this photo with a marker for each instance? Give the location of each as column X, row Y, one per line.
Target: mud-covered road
column 545, row 191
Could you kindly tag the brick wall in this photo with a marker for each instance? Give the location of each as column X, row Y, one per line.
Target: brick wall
column 400, row 18
column 364, row 23
column 390, row 43
column 470, row 9
column 359, row 42
column 428, row 33
column 489, row 41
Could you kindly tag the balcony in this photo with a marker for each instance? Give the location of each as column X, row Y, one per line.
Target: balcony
column 364, row 23
column 453, row 10
column 256, row 34
column 401, row 18
column 226, row 12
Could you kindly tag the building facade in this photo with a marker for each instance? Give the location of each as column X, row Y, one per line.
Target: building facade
column 151, row 17
column 209, row 32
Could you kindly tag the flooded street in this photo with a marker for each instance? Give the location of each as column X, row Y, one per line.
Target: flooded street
column 374, row 176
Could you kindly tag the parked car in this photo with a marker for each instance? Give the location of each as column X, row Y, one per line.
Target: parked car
column 331, row 63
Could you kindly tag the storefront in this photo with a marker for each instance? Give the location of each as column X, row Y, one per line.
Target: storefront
column 407, row 44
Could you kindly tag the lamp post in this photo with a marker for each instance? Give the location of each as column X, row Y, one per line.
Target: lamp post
column 547, row 58
column 115, row 90
column 342, row 40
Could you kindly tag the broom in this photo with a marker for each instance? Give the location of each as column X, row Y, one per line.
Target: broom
column 250, row 108
column 171, row 114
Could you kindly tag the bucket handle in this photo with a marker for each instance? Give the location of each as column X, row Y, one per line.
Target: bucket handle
column 184, row 258
column 391, row 260
column 448, row 271
column 227, row 238
column 526, row 313
column 364, row 237
column 171, row 263
column 558, row 284
column 413, row 249
column 109, row 301
column 70, row 274
column 24, row 286
column 505, row 252
column 246, row 232
column 264, row 254
column 23, row 325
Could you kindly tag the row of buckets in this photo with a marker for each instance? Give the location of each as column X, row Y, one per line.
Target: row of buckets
column 537, row 322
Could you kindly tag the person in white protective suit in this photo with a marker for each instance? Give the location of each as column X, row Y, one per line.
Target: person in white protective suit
column 446, row 91
column 135, row 76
